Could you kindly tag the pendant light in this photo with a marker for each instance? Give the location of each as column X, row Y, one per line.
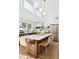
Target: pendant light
column 36, row 4
column 44, row 13
column 40, row 9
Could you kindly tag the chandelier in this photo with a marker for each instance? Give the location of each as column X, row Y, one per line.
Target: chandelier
column 40, row 9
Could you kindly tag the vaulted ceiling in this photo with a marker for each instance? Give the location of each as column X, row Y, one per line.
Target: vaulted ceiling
column 51, row 8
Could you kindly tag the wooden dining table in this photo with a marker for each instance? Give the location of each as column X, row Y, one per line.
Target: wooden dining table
column 37, row 38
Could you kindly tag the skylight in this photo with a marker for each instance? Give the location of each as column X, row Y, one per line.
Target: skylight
column 28, row 6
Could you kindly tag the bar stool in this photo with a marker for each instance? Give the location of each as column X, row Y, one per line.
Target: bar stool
column 22, row 41
column 45, row 44
column 52, row 40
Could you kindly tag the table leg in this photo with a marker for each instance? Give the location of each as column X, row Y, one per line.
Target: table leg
column 27, row 48
column 36, row 43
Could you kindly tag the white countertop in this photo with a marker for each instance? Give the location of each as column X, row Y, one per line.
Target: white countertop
column 37, row 37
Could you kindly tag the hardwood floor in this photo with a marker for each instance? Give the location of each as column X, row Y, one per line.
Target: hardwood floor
column 53, row 52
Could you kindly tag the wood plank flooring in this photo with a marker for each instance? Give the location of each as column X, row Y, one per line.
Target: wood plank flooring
column 53, row 53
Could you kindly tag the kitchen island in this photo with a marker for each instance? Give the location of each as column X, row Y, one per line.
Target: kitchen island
column 36, row 38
